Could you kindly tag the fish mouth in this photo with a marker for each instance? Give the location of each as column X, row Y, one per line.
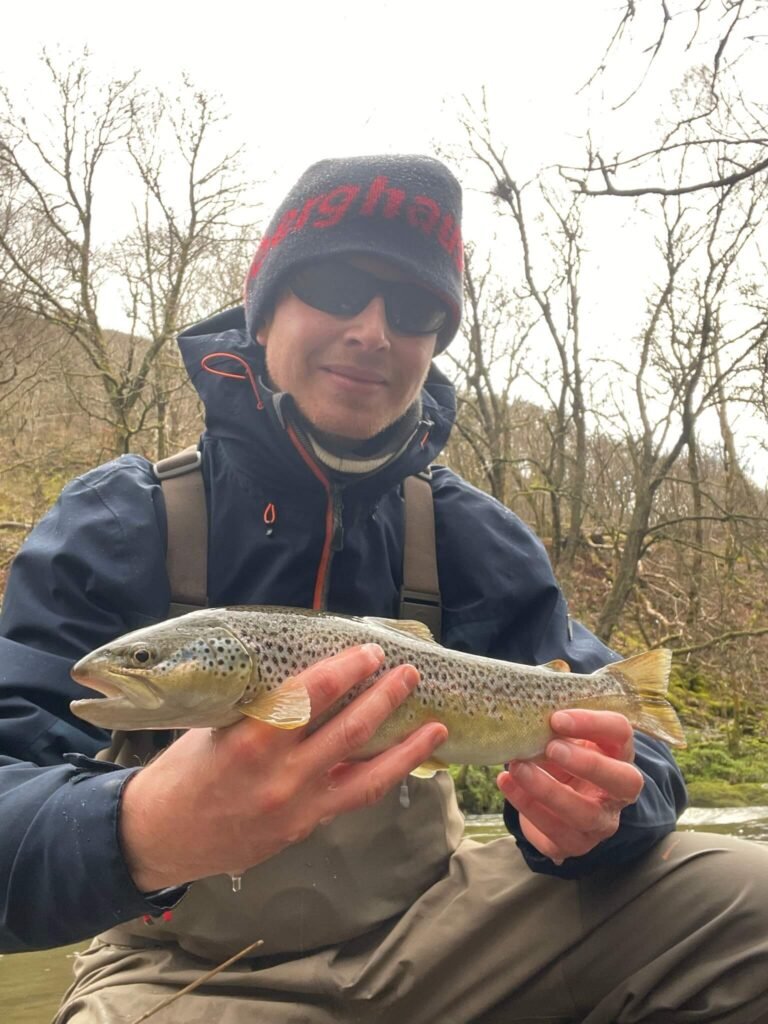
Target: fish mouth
column 105, row 711
column 132, row 702
column 121, row 689
column 129, row 702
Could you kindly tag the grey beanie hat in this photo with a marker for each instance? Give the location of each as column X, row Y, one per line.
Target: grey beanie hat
column 405, row 209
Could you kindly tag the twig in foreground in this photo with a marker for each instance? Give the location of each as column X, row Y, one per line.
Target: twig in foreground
column 200, row 981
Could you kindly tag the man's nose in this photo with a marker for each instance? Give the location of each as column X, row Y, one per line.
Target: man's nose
column 370, row 328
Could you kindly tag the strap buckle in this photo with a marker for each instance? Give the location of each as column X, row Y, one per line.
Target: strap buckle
column 179, row 464
column 424, row 606
column 425, row 597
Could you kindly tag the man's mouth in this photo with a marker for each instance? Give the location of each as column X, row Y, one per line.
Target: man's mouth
column 356, row 375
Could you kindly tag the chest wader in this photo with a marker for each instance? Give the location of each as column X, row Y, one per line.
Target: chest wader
column 348, row 876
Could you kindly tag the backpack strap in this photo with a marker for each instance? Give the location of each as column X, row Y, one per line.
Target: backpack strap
column 187, row 529
column 420, row 592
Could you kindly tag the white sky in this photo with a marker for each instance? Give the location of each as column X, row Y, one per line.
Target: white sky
column 305, row 80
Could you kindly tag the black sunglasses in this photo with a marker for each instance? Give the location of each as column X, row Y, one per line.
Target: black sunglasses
column 344, row 290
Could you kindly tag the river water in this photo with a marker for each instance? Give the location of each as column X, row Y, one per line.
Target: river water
column 744, row 822
column 31, row 984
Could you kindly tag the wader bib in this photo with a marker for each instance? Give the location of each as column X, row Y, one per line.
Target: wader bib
column 348, row 876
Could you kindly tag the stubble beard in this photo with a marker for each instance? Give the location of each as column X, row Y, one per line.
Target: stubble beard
column 357, row 426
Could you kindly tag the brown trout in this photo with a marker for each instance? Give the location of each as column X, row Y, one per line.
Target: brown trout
column 210, row 667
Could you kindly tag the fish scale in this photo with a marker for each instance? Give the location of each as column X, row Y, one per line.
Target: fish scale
column 213, row 666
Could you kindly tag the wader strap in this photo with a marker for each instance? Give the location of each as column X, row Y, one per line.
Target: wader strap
column 187, row 517
column 420, row 592
column 187, row 554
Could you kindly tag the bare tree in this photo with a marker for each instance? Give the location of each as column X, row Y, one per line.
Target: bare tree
column 687, row 354
column 486, row 368
column 712, row 115
column 550, row 291
column 60, row 259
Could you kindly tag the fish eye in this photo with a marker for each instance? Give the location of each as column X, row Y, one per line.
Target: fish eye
column 141, row 655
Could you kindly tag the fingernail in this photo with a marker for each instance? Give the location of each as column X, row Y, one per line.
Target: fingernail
column 563, row 721
column 410, row 676
column 558, row 751
column 373, row 649
column 520, row 770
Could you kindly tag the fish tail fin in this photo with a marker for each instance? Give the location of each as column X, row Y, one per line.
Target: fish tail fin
column 649, row 675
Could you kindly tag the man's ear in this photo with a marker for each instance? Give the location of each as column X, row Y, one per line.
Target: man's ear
column 264, row 326
column 262, row 333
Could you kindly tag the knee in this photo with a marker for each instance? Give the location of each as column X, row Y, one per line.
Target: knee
column 723, row 878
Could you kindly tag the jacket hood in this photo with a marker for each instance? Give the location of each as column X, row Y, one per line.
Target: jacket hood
column 227, row 370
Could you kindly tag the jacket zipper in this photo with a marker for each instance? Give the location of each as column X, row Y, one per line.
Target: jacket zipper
column 334, row 529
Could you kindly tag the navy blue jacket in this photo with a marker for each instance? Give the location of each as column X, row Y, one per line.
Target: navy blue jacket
column 94, row 568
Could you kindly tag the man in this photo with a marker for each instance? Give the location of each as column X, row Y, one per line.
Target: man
column 320, row 400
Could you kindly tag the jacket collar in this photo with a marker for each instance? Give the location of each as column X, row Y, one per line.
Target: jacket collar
column 226, row 368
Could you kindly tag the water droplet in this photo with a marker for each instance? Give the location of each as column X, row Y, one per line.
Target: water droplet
column 237, row 882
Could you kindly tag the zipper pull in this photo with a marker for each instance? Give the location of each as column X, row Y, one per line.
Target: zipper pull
column 270, row 518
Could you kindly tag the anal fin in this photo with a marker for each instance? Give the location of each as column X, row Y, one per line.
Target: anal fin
column 427, row 769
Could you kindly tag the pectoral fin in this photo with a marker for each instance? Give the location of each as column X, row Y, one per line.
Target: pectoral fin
column 427, row 769
column 286, row 708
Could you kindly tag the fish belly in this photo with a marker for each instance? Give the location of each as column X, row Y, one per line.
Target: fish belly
column 473, row 738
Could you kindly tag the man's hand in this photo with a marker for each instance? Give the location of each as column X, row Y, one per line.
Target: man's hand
column 223, row 800
column 571, row 799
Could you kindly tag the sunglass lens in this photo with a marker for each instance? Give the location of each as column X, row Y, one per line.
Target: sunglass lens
column 343, row 290
column 333, row 288
column 413, row 310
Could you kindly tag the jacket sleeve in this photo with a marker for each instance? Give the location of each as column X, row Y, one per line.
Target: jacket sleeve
column 502, row 600
column 91, row 569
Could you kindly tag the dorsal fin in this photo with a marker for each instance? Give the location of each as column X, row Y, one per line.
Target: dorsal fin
column 557, row 665
column 408, row 626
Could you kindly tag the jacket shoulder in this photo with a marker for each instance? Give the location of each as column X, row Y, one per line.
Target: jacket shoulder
column 124, row 471
column 124, row 491
column 459, row 505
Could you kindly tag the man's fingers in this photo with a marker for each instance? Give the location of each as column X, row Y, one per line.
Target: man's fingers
column 325, row 681
column 536, row 788
column 330, row 679
column 555, row 836
column 608, row 729
column 620, row 780
column 364, row 783
column 349, row 730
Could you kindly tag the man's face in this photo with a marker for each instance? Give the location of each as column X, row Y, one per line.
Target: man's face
column 350, row 375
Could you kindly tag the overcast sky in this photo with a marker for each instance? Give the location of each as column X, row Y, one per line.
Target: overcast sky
column 306, row 80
